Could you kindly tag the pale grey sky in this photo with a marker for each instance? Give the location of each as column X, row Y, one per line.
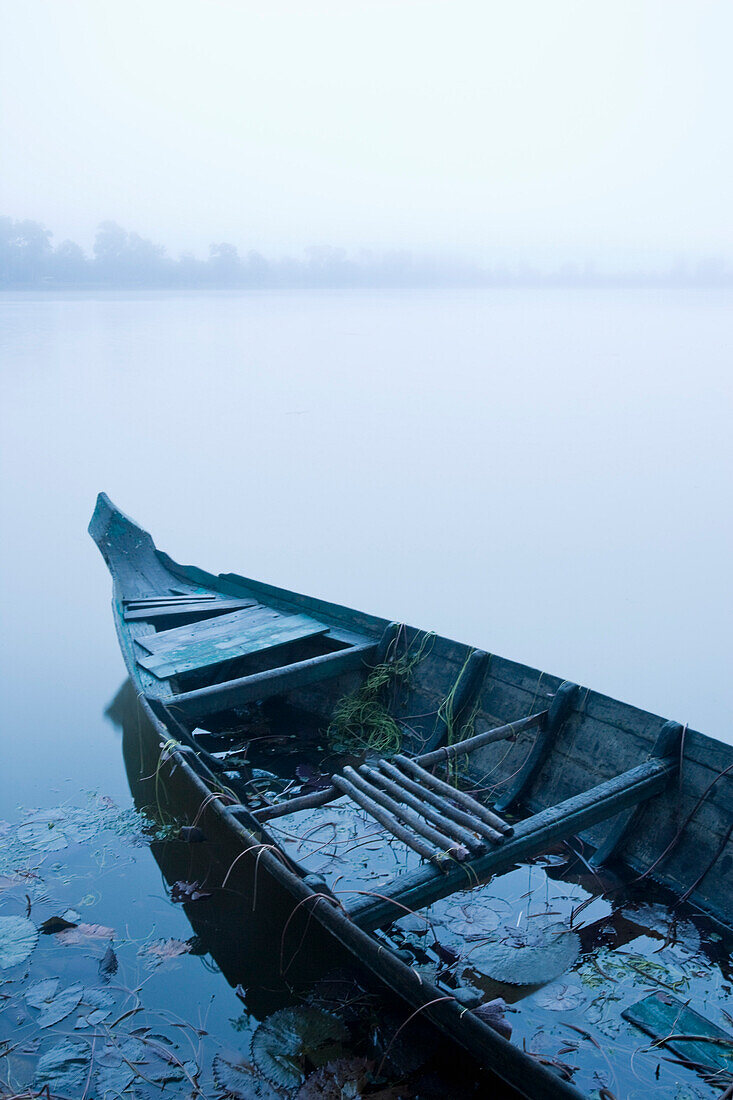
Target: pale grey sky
column 532, row 127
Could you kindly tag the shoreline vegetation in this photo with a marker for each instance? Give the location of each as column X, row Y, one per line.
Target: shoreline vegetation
column 123, row 260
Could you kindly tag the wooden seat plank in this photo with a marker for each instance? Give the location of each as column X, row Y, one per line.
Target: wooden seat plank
column 181, row 610
column 168, row 601
column 213, row 648
column 232, row 625
column 274, row 681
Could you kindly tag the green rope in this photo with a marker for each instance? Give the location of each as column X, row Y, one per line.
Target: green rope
column 361, row 721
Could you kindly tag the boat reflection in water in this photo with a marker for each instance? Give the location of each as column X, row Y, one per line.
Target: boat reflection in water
column 273, row 957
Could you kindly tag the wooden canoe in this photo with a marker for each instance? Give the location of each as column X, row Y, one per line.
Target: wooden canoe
column 205, row 651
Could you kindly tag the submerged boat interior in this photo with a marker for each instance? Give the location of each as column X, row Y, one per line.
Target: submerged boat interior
column 507, row 833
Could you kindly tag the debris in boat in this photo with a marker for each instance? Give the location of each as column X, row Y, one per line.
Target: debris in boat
column 18, row 937
column 672, row 1023
column 294, row 1040
column 533, row 955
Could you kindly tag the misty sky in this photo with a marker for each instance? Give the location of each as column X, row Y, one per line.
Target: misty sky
column 546, row 129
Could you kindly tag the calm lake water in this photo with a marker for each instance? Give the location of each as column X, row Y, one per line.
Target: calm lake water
column 543, row 474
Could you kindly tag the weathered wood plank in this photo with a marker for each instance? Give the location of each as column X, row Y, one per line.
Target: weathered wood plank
column 231, row 625
column 667, row 744
column 665, row 1017
column 211, row 650
column 183, row 610
column 275, row 681
column 169, row 601
column 531, row 837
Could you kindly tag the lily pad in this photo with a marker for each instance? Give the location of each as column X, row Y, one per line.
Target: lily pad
column 64, row 1068
column 61, row 1005
column 18, row 937
column 560, row 997
column 292, row 1041
column 39, row 993
column 533, row 955
column 240, row 1080
column 115, row 1066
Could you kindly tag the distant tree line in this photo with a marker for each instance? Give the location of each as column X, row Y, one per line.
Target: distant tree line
column 29, row 260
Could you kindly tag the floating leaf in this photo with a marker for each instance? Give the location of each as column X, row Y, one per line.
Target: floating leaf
column 98, row 998
column 37, row 994
column 107, row 964
column 312, row 779
column 533, row 955
column 61, row 1005
column 293, row 1040
column 18, row 937
column 346, row 1077
column 82, row 933
column 414, row 923
column 115, row 1066
column 660, row 920
column 492, row 1013
column 559, row 997
column 188, row 891
column 64, row 1068
column 471, row 920
column 56, row 924
column 158, row 951
column 240, row 1080
column 95, row 1017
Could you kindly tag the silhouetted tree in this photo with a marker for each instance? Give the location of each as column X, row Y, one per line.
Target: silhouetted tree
column 225, row 265
column 25, row 251
column 70, row 265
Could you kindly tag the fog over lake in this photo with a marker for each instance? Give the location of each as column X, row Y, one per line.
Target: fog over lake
column 543, row 474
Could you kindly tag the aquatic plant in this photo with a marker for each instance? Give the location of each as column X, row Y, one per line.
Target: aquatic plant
column 361, row 721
